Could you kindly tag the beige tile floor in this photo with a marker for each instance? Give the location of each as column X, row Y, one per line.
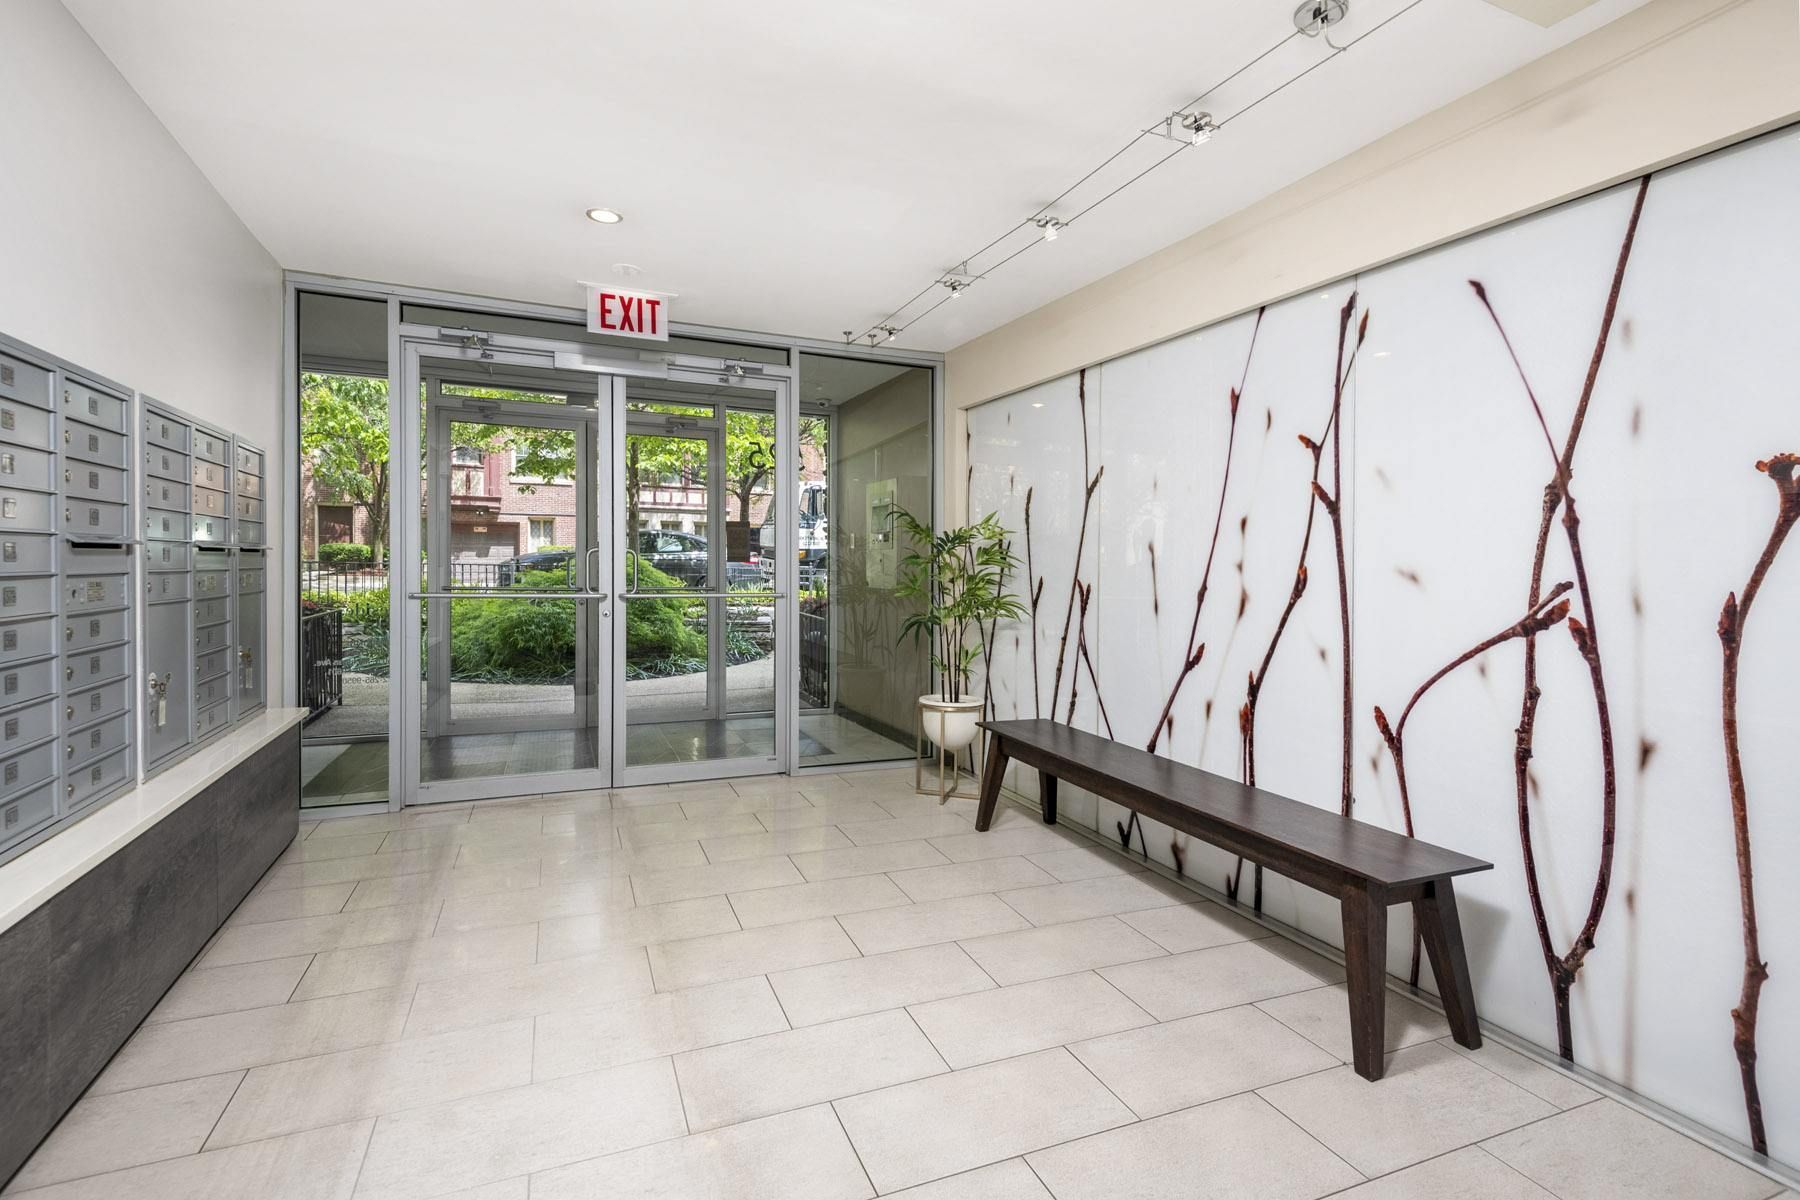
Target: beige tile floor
column 805, row 989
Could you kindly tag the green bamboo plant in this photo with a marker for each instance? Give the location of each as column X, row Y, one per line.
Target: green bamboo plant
column 960, row 576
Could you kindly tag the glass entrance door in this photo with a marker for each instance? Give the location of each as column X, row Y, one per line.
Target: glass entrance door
column 589, row 593
column 705, row 655
column 507, row 627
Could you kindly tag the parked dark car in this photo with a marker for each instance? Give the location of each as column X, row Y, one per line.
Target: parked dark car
column 541, row 560
column 680, row 555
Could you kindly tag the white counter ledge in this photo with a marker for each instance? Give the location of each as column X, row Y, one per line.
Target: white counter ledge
column 37, row 875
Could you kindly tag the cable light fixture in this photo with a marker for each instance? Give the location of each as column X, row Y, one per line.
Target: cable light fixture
column 1313, row 19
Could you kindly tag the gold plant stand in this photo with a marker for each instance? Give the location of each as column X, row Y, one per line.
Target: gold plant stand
column 947, row 786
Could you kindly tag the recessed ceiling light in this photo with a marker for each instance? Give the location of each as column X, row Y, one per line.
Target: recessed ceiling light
column 605, row 216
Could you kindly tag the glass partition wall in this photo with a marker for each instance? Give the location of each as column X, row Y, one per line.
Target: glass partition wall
column 609, row 564
column 865, row 450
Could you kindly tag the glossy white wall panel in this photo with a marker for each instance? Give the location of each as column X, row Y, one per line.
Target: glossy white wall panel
column 1445, row 466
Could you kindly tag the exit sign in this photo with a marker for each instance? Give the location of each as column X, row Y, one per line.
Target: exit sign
column 628, row 314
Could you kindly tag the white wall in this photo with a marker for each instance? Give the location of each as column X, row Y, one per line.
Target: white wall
column 121, row 257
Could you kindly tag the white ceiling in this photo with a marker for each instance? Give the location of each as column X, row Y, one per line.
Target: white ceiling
column 795, row 166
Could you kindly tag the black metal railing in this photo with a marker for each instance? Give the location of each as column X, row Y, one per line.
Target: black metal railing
column 346, row 578
column 815, row 659
column 321, row 661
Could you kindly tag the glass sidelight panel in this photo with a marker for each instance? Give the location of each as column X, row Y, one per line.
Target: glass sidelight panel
column 865, row 450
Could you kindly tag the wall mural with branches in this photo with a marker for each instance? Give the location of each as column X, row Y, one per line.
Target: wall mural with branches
column 1444, row 547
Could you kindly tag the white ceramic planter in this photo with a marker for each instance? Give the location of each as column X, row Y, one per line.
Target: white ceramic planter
column 950, row 724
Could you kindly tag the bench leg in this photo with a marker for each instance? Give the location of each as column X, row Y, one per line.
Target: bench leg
column 1441, row 931
column 1047, row 795
column 1365, row 965
column 991, row 776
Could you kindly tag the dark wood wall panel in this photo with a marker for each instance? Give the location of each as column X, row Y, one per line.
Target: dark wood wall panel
column 80, row 974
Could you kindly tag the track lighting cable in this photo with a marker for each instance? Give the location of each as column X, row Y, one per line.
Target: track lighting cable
column 966, row 278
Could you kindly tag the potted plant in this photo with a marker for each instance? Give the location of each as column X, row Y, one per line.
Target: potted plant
column 960, row 578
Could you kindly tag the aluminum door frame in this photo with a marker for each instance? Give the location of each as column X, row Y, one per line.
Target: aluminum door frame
column 762, row 379
column 406, row 785
column 712, row 435
column 581, row 420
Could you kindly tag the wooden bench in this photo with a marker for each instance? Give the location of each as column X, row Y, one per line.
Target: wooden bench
column 1366, row 867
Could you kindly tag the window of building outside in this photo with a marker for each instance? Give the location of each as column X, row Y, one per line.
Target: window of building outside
column 543, row 532
column 336, row 524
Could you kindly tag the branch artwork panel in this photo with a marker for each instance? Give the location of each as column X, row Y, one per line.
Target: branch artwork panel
column 1478, row 546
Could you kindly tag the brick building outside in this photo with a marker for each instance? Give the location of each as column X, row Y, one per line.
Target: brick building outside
column 496, row 514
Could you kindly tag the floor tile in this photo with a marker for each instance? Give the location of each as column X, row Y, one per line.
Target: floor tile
column 685, row 883
column 1605, row 1151
column 466, row 1001
column 1229, row 1149
column 830, row 897
column 1003, row 843
column 462, row 913
column 723, row 1085
column 287, row 903
column 867, row 860
column 733, row 803
column 1544, row 1082
column 825, row 810
column 1103, row 896
column 722, row 956
column 465, row 1143
column 402, row 964
column 546, row 847
column 1180, row 1063
column 320, row 849
column 566, row 937
column 1084, row 862
column 516, row 1188
column 1004, row 1022
column 934, row 921
column 1180, row 985
column 930, row 1128
column 127, row 1129
column 907, row 829
column 311, row 1093
column 639, row 836
column 1322, row 1016
column 311, row 935
column 610, row 1035
column 350, row 870
column 580, row 868
column 317, row 1165
column 1183, row 927
column 442, row 885
column 831, row 991
column 637, row 797
column 1430, row 1100
column 188, row 1049
column 1467, row 1174
column 904, row 802
column 201, row 993
column 768, row 845
column 1038, row 953
column 1009, row 1180
column 794, row 1156
column 970, row 878
column 407, row 818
